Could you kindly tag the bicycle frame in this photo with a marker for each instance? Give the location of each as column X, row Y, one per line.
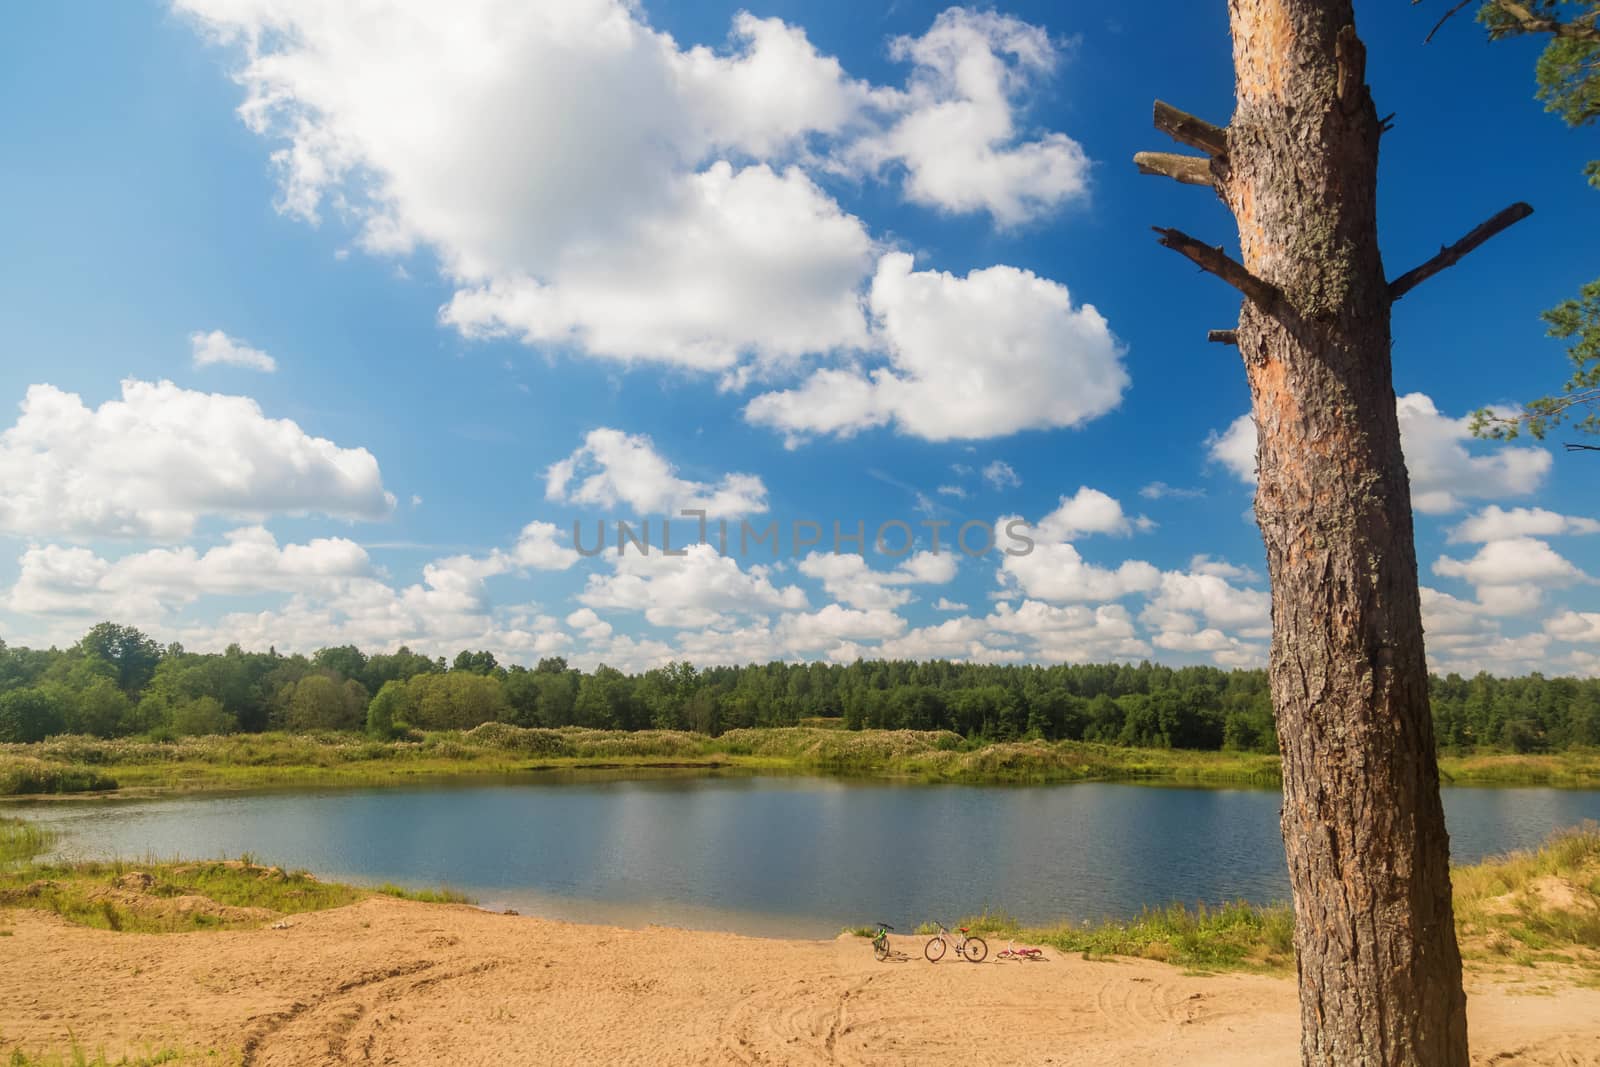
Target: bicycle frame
column 880, row 941
column 1012, row 952
column 958, row 942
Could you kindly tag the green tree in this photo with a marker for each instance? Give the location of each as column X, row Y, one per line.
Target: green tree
column 322, row 702
column 704, row 712
column 1568, row 78
column 30, row 715
column 128, row 650
column 1104, row 719
column 1584, row 715
column 202, row 717
column 395, row 666
column 605, row 700
column 475, row 662
column 558, row 697
column 388, row 714
column 458, row 700
column 347, row 661
column 102, row 709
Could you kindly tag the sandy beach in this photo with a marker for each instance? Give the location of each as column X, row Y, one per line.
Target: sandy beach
column 396, row 982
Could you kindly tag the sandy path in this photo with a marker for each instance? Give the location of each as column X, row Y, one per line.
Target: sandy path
column 388, row 981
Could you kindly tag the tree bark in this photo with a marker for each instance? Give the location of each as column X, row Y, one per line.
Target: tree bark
column 1363, row 825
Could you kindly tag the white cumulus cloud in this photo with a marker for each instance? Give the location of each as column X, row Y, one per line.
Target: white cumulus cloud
column 612, row 467
column 588, row 182
column 1088, row 511
column 849, row 578
column 699, row 588
column 1235, row 448
column 152, row 463
column 1510, row 575
column 217, row 348
column 996, row 352
column 957, row 138
column 1494, row 523
column 55, row 579
column 1575, row 626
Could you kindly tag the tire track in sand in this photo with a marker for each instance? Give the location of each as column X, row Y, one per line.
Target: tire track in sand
column 796, row 1022
column 321, row 1030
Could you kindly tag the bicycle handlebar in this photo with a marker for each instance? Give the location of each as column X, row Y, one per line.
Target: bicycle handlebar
column 886, row 926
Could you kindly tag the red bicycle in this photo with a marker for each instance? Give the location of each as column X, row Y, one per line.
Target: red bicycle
column 1012, row 952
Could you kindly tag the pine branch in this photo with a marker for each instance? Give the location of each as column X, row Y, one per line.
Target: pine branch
column 1446, row 17
column 1450, row 255
column 1186, row 129
column 1582, row 28
column 1190, row 170
column 1215, row 261
column 1538, row 417
column 1520, row 20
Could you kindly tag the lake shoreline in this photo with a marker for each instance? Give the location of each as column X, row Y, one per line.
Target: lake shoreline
column 276, row 966
column 404, row 981
column 124, row 768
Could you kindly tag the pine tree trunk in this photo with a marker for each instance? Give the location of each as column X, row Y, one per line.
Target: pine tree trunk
column 1363, row 826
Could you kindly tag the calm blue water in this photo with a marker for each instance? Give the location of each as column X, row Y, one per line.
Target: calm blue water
column 800, row 856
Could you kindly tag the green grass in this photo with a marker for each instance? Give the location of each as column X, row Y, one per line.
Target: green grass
column 21, row 775
column 443, row 895
column 1578, row 767
column 21, row 841
column 78, row 1056
column 1231, row 937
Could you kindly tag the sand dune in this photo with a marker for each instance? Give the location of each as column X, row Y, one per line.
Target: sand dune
column 394, row 982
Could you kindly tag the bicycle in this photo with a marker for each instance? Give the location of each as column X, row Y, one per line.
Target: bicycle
column 1012, row 952
column 968, row 947
column 880, row 942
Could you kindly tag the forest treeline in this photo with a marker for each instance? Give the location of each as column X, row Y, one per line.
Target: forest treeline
column 118, row 682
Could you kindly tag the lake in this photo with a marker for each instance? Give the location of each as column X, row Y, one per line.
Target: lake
column 795, row 856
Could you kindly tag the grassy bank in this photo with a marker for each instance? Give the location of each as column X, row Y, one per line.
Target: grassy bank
column 1524, row 909
column 167, row 897
column 1578, row 767
column 80, row 764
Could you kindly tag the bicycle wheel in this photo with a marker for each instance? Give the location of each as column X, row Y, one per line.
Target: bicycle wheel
column 935, row 950
column 975, row 949
column 880, row 948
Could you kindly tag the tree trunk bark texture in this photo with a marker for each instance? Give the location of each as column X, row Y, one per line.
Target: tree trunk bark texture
column 1363, row 825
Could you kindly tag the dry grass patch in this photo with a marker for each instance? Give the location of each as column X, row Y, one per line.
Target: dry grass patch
column 1535, row 907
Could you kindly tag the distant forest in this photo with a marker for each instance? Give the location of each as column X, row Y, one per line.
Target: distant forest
column 118, row 682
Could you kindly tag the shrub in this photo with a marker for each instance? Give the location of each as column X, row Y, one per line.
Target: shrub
column 19, row 777
column 533, row 742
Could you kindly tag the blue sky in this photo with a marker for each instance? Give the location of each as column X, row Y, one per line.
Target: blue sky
column 813, row 261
